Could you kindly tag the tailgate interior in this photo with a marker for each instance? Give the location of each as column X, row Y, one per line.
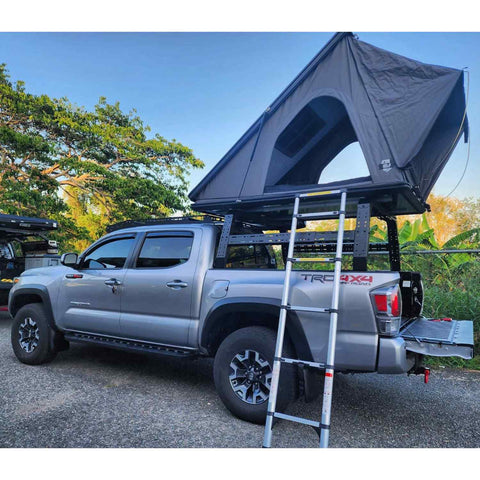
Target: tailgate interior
column 439, row 337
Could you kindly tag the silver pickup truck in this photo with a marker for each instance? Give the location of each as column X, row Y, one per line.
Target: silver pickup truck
column 154, row 289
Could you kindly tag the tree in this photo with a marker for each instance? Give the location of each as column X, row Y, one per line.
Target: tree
column 85, row 168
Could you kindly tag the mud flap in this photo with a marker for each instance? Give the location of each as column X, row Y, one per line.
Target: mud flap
column 439, row 337
column 312, row 383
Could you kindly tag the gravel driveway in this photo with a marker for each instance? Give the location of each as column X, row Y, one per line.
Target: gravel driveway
column 94, row 397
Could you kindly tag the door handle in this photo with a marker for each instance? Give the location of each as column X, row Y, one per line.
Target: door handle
column 112, row 282
column 177, row 284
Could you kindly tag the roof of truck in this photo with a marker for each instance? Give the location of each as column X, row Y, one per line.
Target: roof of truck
column 142, row 225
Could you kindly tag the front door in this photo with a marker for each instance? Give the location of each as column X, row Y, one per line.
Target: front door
column 89, row 299
column 157, row 298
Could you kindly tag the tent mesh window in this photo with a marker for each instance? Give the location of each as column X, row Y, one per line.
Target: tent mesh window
column 310, row 142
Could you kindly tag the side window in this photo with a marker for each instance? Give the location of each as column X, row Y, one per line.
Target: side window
column 164, row 251
column 112, row 254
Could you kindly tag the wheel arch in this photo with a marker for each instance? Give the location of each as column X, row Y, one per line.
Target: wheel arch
column 229, row 315
column 32, row 294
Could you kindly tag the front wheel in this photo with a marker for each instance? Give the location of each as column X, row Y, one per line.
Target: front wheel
column 243, row 373
column 32, row 337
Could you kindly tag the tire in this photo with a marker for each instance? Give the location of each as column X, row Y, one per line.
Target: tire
column 246, row 404
column 32, row 337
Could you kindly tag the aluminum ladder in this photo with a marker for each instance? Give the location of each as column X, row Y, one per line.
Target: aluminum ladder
column 324, row 425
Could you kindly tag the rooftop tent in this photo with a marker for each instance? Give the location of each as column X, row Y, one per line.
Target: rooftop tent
column 405, row 115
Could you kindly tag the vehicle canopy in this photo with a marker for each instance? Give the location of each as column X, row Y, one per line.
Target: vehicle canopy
column 406, row 115
column 14, row 227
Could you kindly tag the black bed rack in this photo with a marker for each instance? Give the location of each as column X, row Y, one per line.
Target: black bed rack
column 356, row 242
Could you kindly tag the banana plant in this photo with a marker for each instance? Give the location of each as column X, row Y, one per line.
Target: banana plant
column 417, row 233
column 441, row 268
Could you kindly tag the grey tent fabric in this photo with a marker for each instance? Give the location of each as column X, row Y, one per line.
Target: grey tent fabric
column 406, row 115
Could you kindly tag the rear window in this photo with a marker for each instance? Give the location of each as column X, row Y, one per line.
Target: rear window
column 250, row 256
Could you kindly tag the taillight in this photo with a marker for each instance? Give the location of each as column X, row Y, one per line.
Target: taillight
column 381, row 302
column 395, row 303
column 388, row 307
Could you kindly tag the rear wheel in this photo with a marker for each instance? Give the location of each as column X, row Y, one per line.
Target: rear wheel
column 243, row 373
column 32, row 338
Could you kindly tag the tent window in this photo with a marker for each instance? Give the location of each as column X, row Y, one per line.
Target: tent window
column 299, row 132
column 314, row 147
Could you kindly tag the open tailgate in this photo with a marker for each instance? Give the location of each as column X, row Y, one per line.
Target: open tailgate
column 439, row 337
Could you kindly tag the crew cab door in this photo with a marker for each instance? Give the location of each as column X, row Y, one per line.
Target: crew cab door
column 157, row 298
column 89, row 300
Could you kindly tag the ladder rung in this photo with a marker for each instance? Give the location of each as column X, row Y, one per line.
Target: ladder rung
column 309, row 309
column 291, row 418
column 312, row 259
column 317, row 215
column 302, row 362
column 324, row 192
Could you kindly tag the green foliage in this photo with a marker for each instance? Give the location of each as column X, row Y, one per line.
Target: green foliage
column 417, row 233
column 57, row 158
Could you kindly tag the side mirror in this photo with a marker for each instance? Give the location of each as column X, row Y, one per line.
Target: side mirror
column 69, row 259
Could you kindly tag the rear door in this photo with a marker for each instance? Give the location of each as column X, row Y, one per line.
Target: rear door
column 439, row 337
column 157, row 298
column 89, row 300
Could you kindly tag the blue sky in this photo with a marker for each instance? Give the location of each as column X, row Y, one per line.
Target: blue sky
column 205, row 89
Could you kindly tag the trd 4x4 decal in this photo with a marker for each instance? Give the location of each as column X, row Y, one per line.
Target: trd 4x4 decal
column 353, row 279
column 356, row 279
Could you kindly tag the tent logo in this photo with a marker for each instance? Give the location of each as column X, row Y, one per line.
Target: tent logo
column 386, row 165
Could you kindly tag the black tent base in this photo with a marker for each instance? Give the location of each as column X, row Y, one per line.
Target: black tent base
column 275, row 210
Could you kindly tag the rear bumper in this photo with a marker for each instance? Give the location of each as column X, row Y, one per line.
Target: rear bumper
column 392, row 356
